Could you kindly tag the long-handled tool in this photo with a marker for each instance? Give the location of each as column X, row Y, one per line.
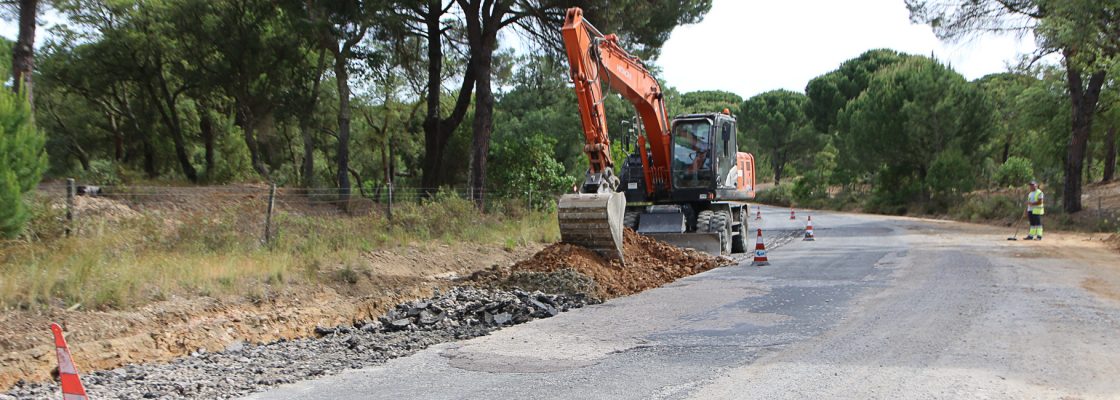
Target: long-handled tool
column 1018, row 224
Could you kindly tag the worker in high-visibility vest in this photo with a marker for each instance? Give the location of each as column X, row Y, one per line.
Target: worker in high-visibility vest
column 1035, row 210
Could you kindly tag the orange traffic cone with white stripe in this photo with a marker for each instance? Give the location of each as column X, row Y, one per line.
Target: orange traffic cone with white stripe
column 809, row 230
column 758, row 216
column 760, row 252
column 791, row 215
column 72, row 388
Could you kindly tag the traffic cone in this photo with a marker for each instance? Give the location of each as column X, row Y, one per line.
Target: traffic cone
column 791, row 215
column 809, row 230
column 72, row 388
column 760, row 252
column 758, row 216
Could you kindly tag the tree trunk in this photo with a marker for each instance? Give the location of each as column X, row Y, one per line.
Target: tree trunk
column 118, row 136
column 778, row 164
column 483, row 22
column 206, row 129
column 308, row 168
column 149, row 157
column 1083, row 99
column 244, row 119
column 483, row 126
column 81, row 154
column 437, row 130
column 1109, row 155
column 1088, row 163
column 341, row 76
column 1006, row 150
column 170, row 115
column 23, row 52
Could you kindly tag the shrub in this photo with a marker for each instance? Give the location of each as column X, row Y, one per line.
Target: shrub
column 1014, row 172
column 22, row 161
column 951, row 174
column 987, row 207
column 102, row 172
column 777, row 196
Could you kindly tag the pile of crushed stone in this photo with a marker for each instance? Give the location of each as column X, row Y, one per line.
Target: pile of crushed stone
column 457, row 314
column 568, row 268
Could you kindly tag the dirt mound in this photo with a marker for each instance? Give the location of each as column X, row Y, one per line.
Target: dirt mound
column 560, row 267
column 1114, row 241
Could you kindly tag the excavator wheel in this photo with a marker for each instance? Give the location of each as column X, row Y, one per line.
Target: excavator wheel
column 593, row 221
column 739, row 242
column 704, row 222
column 722, row 225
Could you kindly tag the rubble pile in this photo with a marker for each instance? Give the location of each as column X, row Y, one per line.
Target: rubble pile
column 649, row 263
column 241, row 369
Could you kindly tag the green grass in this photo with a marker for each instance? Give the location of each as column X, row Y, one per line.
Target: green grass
column 153, row 257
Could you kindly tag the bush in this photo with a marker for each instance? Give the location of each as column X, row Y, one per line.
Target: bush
column 775, row 196
column 1014, row 172
column 987, row 207
column 22, row 161
column 102, row 172
column 808, row 188
column 894, row 191
column 951, row 174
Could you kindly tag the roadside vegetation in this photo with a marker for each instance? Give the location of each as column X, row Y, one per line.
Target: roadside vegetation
column 348, row 99
column 154, row 256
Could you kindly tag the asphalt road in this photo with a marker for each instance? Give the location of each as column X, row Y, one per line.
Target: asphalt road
column 877, row 307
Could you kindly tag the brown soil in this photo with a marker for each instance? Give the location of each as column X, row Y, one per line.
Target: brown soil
column 175, row 327
column 649, row 263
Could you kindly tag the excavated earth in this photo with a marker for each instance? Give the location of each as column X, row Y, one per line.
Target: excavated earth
column 233, row 359
column 567, row 268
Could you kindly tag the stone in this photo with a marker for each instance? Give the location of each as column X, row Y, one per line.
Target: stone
column 502, row 318
column 400, row 324
column 235, row 347
column 371, row 326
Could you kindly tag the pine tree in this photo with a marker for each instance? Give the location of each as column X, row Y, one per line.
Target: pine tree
column 22, row 161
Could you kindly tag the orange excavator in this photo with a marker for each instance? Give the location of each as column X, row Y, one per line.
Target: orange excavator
column 684, row 183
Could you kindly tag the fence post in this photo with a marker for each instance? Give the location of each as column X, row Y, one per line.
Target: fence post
column 268, row 216
column 390, row 200
column 530, row 196
column 71, row 212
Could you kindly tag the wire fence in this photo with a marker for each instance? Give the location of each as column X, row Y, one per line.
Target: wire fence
column 256, row 205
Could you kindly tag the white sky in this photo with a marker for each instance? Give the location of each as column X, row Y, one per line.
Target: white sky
column 751, row 46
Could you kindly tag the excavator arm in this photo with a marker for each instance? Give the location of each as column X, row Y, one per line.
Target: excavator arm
column 595, row 59
column 593, row 217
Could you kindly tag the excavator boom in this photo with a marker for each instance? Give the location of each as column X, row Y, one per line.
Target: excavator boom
column 593, row 217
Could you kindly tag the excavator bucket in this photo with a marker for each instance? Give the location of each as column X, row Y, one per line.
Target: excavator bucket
column 593, row 221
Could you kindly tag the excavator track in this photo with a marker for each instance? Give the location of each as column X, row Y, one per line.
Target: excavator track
column 593, row 221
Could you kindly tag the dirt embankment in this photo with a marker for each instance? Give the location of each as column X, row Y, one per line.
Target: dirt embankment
column 169, row 329
column 177, row 327
column 649, row 263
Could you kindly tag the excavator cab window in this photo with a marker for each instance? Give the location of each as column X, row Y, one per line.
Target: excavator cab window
column 692, row 153
column 727, row 150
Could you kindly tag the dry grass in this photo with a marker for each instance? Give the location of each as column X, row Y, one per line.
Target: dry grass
column 157, row 255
